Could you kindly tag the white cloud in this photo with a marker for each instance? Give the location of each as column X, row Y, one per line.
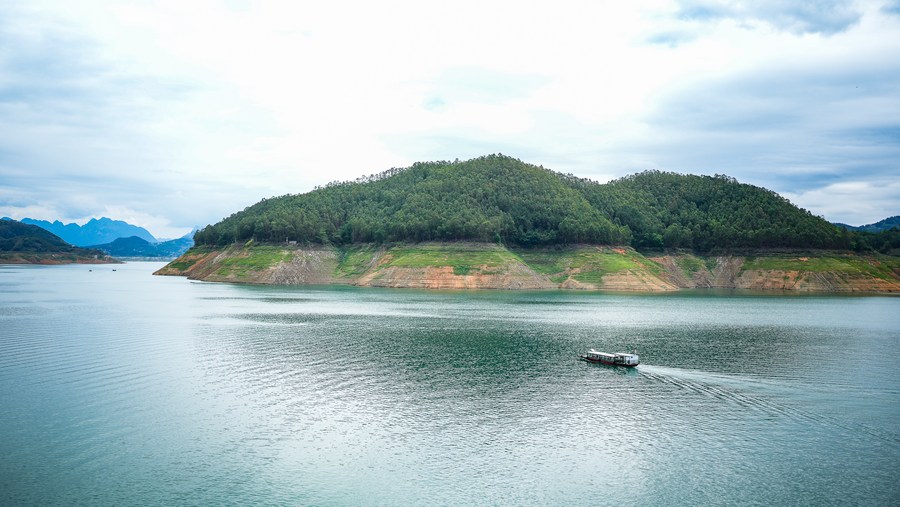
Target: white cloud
column 851, row 202
column 188, row 111
column 798, row 16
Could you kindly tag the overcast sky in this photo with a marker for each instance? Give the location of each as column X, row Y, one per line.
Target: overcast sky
column 170, row 114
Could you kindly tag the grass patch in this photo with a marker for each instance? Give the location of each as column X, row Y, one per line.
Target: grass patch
column 843, row 265
column 464, row 259
column 257, row 258
column 189, row 258
column 355, row 261
column 689, row 264
column 587, row 265
column 548, row 262
column 461, row 270
column 183, row 265
column 559, row 278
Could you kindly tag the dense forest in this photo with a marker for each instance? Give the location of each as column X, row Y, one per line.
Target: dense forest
column 704, row 212
column 886, row 241
column 501, row 199
column 493, row 198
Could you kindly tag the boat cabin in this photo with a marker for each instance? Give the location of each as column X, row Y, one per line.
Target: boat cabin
column 616, row 359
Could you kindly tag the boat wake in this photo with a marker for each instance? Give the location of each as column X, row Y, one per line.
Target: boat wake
column 755, row 394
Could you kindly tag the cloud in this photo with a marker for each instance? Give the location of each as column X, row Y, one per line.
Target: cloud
column 812, row 113
column 826, row 17
column 83, row 134
column 851, row 202
column 184, row 112
column 483, row 85
column 672, row 38
column 891, row 7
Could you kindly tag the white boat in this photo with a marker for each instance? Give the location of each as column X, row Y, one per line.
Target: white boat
column 614, row 359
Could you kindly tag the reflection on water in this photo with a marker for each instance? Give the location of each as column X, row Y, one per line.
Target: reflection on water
column 122, row 388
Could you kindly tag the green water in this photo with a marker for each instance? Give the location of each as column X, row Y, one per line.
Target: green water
column 121, row 388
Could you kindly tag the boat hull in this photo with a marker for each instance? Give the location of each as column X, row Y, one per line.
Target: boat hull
column 608, row 363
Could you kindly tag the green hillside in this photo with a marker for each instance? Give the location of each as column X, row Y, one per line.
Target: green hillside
column 29, row 243
column 672, row 210
column 504, row 200
column 492, row 198
column 18, row 237
column 883, row 235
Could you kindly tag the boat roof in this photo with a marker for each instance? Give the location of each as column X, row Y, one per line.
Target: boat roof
column 613, row 354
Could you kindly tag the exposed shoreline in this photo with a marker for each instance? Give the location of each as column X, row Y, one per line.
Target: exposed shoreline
column 467, row 265
column 51, row 260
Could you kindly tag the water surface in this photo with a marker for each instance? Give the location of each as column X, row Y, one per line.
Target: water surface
column 122, row 388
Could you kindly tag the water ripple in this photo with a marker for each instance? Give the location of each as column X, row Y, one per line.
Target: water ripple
column 131, row 389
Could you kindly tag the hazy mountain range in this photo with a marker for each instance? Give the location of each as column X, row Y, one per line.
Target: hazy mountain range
column 138, row 247
column 97, row 231
column 113, row 237
column 883, row 225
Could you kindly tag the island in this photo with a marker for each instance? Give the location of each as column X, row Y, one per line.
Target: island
column 496, row 222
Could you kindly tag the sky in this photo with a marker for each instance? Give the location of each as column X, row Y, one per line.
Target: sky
column 174, row 114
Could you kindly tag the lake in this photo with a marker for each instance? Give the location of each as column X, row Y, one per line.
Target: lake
column 122, row 388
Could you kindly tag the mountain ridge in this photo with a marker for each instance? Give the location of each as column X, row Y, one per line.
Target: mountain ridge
column 879, row 226
column 94, row 232
column 135, row 247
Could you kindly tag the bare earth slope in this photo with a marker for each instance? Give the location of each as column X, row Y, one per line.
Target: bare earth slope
column 822, row 272
column 492, row 266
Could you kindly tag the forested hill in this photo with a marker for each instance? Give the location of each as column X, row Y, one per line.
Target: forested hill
column 665, row 209
column 493, row 198
column 501, row 199
column 29, row 243
column 18, row 237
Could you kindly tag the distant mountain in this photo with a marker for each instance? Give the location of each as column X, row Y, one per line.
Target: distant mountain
column 138, row 247
column 25, row 243
column 18, row 237
column 189, row 236
column 175, row 247
column 884, row 225
column 95, row 232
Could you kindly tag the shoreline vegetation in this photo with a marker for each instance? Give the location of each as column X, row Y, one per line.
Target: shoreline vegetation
column 477, row 265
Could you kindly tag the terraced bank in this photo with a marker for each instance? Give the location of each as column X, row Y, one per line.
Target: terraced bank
column 468, row 265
